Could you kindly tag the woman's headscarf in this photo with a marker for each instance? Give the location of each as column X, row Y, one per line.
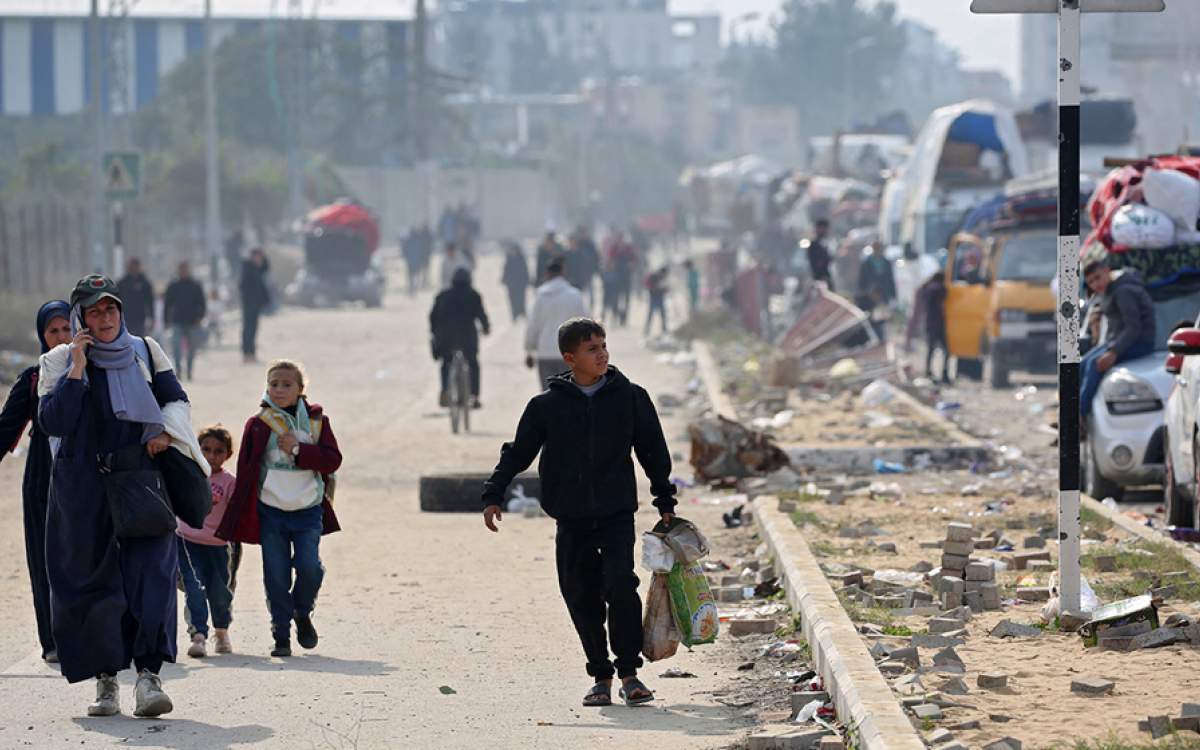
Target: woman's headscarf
column 55, row 308
column 130, row 394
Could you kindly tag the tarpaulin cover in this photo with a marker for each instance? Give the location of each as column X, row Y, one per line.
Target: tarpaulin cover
column 1122, row 186
column 347, row 216
column 978, row 128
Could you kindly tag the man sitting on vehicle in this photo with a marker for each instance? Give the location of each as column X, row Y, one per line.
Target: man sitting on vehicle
column 1122, row 299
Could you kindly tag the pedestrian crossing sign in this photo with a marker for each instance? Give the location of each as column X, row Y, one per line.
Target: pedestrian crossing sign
column 122, row 175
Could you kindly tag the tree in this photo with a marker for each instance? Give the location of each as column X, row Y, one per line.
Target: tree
column 830, row 58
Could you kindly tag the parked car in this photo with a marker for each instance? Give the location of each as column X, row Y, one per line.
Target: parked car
column 1180, row 440
column 1126, row 436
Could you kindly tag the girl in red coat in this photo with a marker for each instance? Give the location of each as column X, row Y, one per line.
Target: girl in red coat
column 283, row 500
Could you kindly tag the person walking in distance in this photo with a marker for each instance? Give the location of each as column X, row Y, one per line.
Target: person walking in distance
column 455, row 321
column 556, row 301
column 283, row 500
column 204, row 557
column 586, row 425
column 656, row 286
column 550, row 249
column 453, row 260
column 20, row 410
column 515, row 278
column 184, row 306
column 137, row 293
column 256, row 298
column 819, row 257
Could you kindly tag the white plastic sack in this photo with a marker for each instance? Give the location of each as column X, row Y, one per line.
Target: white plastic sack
column 878, row 393
column 1135, row 225
column 1088, row 601
column 657, row 557
column 1175, row 194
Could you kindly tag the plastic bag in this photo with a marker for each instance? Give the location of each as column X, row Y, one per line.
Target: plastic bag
column 660, row 639
column 1088, row 601
column 686, row 542
column 1174, row 193
column 878, row 393
column 657, row 557
column 1142, row 227
column 692, row 602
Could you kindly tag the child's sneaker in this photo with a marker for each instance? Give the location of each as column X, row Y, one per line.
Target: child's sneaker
column 151, row 700
column 221, row 636
column 305, row 632
column 199, row 648
column 283, row 647
column 107, row 702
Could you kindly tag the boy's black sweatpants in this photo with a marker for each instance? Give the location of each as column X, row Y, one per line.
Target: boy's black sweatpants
column 596, row 577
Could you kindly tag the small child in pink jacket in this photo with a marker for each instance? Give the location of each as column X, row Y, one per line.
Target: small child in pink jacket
column 204, row 558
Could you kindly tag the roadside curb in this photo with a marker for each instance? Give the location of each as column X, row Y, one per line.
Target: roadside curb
column 863, row 699
column 711, row 377
column 1133, row 527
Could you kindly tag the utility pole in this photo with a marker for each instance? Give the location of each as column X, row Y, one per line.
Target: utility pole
column 95, row 116
column 420, row 107
column 1069, row 96
column 212, row 175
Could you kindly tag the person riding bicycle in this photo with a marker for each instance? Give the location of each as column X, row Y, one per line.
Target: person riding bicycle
column 453, row 325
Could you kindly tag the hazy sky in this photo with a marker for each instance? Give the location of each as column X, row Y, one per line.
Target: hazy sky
column 985, row 41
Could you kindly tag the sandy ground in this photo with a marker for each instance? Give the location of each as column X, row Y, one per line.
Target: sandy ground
column 412, row 602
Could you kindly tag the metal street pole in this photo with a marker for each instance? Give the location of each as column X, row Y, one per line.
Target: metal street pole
column 1069, row 96
column 212, row 191
column 95, row 114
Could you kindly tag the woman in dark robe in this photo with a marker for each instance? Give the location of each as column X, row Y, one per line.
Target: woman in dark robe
column 53, row 328
column 112, row 600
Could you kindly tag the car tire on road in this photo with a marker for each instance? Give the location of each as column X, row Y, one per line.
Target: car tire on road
column 1178, row 507
column 997, row 372
column 461, row 492
column 1096, row 484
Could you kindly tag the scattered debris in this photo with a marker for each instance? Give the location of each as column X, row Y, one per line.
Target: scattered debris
column 1010, row 629
column 1092, row 686
column 992, row 681
column 677, row 673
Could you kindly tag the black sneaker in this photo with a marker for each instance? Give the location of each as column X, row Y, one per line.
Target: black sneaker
column 282, row 648
column 305, row 632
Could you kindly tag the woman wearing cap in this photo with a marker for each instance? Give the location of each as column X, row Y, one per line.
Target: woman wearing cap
column 108, row 393
column 20, row 410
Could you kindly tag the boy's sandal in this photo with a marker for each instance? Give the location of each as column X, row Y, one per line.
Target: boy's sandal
column 634, row 686
column 599, row 695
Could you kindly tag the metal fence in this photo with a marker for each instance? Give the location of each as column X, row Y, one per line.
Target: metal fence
column 43, row 247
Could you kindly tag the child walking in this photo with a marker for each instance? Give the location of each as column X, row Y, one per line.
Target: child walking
column 586, row 424
column 204, row 558
column 283, row 500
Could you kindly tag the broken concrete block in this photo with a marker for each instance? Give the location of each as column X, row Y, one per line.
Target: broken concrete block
column 1033, row 594
column 947, row 657
column 930, row 544
column 1042, row 566
column 879, row 651
column 1186, row 723
column 957, row 531
column 1159, row 637
column 951, row 600
column 788, row 506
column 1092, row 686
column 980, row 572
column 954, row 562
column 889, row 547
column 891, row 667
column 1014, row 524
column 991, row 595
column 921, row 566
column 928, row 712
column 891, row 601
column 1008, row 743
column 951, row 584
column 916, row 598
column 1008, row 629
column 965, row 726
column 973, row 587
column 961, row 549
column 962, row 614
column 852, row 578
column 942, row 625
column 831, row 743
column 940, row 737
column 985, row 543
column 1163, row 592
column 992, row 681
column 731, row 580
column 1021, row 560
column 924, row 640
column 974, row 600
column 954, row 686
column 1159, row 726
column 908, row 655
column 999, row 718
column 730, row 594
column 1034, row 542
column 786, row 737
column 751, row 626
column 1190, row 709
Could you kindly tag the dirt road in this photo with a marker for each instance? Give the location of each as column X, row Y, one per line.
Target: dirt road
column 412, row 602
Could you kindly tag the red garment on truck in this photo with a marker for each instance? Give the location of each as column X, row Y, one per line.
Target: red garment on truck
column 347, row 216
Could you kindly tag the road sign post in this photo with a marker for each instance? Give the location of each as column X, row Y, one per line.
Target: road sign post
column 1069, row 96
column 122, row 175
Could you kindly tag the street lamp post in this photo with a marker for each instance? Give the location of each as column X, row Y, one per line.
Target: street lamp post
column 1069, row 96
column 212, row 190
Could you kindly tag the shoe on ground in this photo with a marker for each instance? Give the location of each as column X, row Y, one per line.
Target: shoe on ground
column 107, row 697
column 283, row 648
column 306, row 634
column 444, row 399
column 199, row 647
column 151, row 700
column 51, row 656
column 223, row 644
column 475, row 403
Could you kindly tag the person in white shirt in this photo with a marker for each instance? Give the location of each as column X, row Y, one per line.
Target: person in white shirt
column 555, row 303
column 453, row 260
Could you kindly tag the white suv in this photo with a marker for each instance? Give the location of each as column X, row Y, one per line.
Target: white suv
column 1180, row 441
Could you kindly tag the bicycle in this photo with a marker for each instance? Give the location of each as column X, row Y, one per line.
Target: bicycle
column 459, row 386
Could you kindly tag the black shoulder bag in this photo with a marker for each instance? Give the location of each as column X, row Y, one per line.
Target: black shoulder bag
column 133, row 486
column 187, row 487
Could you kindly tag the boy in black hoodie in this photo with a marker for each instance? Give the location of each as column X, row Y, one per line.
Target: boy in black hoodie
column 585, row 424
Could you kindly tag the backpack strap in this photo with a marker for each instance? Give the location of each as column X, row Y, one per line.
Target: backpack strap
column 146, row 354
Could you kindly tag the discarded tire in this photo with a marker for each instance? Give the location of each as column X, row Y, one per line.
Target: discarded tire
column 460, row 493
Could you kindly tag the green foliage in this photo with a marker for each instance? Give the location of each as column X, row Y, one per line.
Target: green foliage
column 1144, row 569
column 44, row 170
column 1089, row 517
column 874, row 615
column 902, row 631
